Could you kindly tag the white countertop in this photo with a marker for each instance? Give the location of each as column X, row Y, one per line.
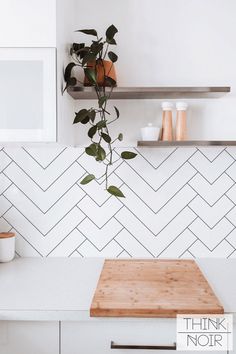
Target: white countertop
column 62, row 288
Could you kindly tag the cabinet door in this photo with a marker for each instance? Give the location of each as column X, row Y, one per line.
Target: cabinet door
column 17, row 337
column 27, row 95
column 28, row 23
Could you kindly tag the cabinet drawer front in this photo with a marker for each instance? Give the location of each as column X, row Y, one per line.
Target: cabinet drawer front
column 121, row 337
column 26, row 337
column 103, row 337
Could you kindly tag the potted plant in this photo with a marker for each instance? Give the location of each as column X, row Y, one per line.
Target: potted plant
column 100, row 74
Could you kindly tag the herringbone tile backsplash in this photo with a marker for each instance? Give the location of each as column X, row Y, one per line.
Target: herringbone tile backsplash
column 180, row 202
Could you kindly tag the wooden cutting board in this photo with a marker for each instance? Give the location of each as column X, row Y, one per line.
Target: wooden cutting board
column 152, row 288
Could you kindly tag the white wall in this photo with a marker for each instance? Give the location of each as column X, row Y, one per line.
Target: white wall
column 27, row 23
column 179, row 202
column 170, row 43
column 64, row 30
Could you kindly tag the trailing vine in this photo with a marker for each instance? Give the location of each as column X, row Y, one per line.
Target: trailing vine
column 91, row 59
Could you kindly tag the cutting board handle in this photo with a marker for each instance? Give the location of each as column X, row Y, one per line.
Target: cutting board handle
column 145, row 347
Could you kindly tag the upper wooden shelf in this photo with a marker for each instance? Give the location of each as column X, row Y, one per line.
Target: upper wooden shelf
column 88, row 93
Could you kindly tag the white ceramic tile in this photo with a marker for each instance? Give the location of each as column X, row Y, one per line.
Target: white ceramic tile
column 112, row 250
column 156, row 200
column 211, row 152
column 212, row 192
column 222, row 251
column 43, row 177
column 44, row 200
column 211, row 215
column 54, row 215
column 4, row 183
column 67, row 246
column 232, row 238
column 156, row 177
column 131, row 245
column 172, row 231
column 4, row 160
column 211, row 170
column 177, row 248
column 44, row 155
column 4, row 205
column 24, row 248
column 43, row 244
column 97, row 192
column 211, row 237
column 44, row 222
column 4, row 226
column 156, row 222
column 100, row 237
column 99, row 215
column 155, row 159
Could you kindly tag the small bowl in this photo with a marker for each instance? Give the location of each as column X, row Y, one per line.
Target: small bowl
column 150, row 133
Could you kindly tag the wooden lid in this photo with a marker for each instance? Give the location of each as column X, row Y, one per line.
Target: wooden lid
column 6, row 234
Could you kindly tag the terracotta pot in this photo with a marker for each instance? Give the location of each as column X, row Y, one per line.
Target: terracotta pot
column 106, row 66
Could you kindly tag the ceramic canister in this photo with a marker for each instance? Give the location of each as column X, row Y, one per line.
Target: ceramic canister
column 7, row 246
column 150, row 133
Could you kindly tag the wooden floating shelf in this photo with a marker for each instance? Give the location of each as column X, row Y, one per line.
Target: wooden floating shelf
column 88, row 93
column 187, row 143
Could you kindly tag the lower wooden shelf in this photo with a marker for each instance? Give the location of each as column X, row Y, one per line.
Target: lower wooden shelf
column 160, row 143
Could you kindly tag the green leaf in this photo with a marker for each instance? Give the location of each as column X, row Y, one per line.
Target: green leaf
column 112, row 56
column 89, row 57
column 110, row 32
column 127, row 155
column 81, row 116
column 106, row 137
column 92, row 131
column 109, row 81
column 85, row 120
column 101, row 153
column 91, row 150
column 92, row 115
column 91, row 32
column 77, row 46
column 101, row 101
column 117, row 112
column 68, row 69
column 87, row 179
column 111, row 41
column 79, row 49
column 96, row 48
column 72, row 81
column 115, row 191
column 120, row 137
column 101, row 124
column 91, row 75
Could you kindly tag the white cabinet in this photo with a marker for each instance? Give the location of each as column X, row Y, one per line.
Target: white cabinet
column 28, row 23
column 23, row 337
column 97, row 336
column 28, row 95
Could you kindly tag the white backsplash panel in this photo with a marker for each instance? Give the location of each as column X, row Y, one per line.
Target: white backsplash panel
column 180, row 203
